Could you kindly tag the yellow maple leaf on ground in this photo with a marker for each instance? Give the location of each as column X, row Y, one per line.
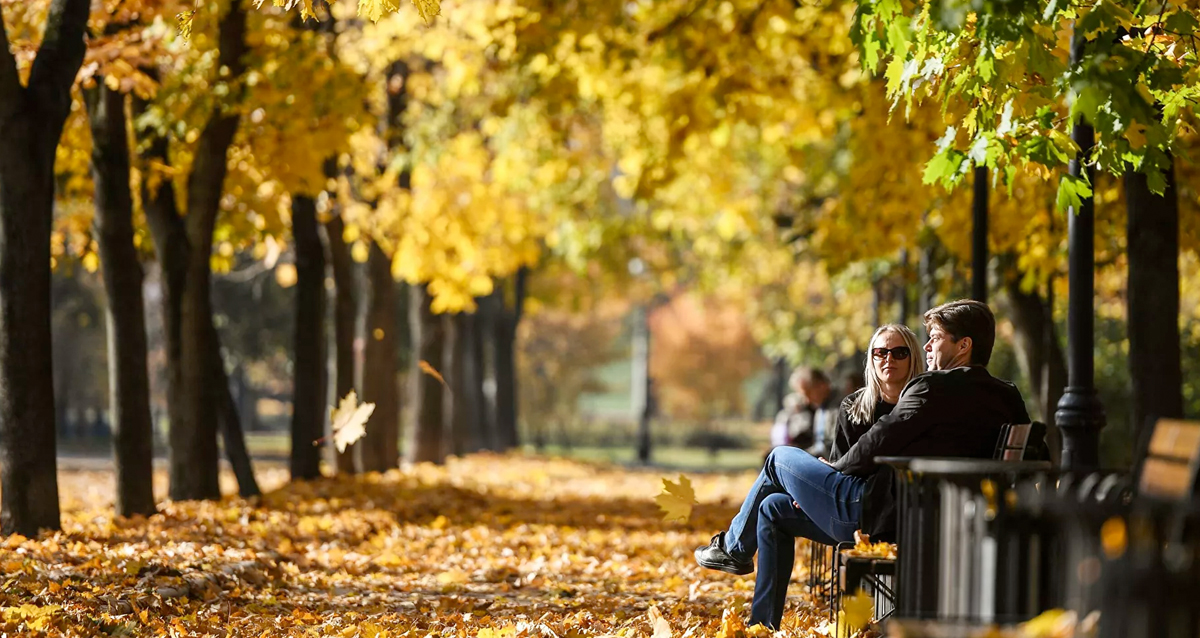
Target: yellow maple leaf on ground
column 350, row 421
column 676, row 499
column 658, row 625
column 732, row 625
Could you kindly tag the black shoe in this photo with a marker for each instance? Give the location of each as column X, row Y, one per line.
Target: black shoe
column 714, row 556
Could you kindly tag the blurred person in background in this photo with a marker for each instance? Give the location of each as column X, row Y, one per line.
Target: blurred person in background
column 808, row 416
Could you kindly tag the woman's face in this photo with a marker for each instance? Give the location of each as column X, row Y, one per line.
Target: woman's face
column 889, row 368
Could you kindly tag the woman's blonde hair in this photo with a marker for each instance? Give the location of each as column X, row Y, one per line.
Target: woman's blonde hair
column 863, row 408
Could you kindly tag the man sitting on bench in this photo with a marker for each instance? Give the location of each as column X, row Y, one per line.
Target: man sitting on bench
column 956, row 409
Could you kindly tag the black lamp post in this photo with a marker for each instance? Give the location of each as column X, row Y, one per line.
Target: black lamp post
column 1080, row 414
column 979, row 236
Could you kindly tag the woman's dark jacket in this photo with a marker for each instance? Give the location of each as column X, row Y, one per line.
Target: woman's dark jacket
column 849, row 429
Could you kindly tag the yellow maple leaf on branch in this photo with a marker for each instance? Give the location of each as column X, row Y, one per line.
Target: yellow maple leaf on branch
column 676, row 499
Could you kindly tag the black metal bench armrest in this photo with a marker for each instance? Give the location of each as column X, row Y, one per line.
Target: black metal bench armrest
column 897, row 462
column 954, row 466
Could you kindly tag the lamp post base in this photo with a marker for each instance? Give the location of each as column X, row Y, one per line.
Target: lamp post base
column 1080, row 416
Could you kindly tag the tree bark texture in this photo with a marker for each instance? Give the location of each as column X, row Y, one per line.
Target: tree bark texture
column 308, row 389
column 128, row 378
column 344, row 319
column 428, row 330
column 1153, row 299
column 381, row 445
column 31, row 123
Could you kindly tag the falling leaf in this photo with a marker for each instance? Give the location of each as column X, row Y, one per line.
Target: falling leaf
column 429, row 370
column 350, row 421
column 185, row 19
column 676, row 499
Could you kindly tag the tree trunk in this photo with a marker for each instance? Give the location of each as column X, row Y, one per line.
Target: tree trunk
column 171, row 246
column 1038, row 350
column 128, row 379
column 483, row 351
column 185, row 251
column 1153, row 299
column 230, row 422
column 31, row 123
column 308, row 389
column 381, row 446
column 505, row 322
column 428, row 434
column 473, row 396
column 344, row 318
column 926, row 284
column 461, row 406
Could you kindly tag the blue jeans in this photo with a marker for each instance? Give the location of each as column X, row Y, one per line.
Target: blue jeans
column 830, row 506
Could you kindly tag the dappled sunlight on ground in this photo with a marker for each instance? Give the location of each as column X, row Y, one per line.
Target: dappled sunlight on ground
column 505, row 544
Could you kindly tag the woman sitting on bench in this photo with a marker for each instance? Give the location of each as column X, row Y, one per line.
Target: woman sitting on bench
column 956, row 410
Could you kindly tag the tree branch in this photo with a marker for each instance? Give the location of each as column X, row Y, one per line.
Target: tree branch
column 59, row 58
column 10, row 80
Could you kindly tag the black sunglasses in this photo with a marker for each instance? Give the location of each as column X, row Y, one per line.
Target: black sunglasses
column 899, row 353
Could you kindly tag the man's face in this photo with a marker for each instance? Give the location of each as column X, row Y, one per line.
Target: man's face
column 942, row 352
column 816, row 392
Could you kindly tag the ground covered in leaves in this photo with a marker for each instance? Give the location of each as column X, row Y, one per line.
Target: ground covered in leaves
column 488, row 546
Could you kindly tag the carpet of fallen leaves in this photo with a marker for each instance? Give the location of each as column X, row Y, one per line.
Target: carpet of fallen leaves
column 487, row 546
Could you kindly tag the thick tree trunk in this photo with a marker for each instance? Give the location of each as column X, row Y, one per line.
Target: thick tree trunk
column 344, row 318
column 505, row 322
column 381, row 446
column 193, row 433
column 308, row 390
column 1039, row 352
column 31, row 122
column 128, row 379
column 230, row 421
column 1153, row 299
column 428, row 432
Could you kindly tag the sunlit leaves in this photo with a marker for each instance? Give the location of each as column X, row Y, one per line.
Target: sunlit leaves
column 1019, row 54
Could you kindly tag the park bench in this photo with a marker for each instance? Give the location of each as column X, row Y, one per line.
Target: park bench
column 933, row 493
column 1124, row 544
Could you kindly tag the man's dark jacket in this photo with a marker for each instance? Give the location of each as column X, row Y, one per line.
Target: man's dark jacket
column 956, row 412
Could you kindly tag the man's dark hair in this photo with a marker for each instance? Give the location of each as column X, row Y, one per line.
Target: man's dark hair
column 808, row 376
column 967, row 318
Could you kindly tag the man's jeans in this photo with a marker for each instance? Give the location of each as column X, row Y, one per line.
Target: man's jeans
column 830, row 508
